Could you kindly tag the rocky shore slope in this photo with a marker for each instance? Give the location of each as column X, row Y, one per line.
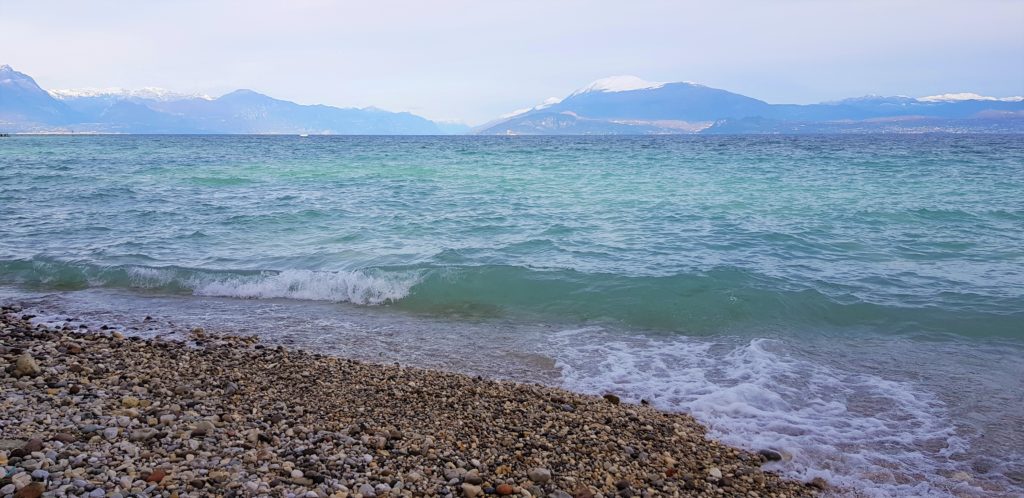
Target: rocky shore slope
column 92, row 413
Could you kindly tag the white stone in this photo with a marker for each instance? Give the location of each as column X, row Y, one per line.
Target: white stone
column 21, row 479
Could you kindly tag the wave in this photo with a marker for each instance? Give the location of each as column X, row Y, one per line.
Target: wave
column 724, row 299
column 354, row 286
column 857, row 429
column 366, row 287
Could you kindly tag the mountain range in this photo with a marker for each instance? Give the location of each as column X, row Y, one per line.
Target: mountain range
column 25, row 107
column 630, row 105
column 624, row 105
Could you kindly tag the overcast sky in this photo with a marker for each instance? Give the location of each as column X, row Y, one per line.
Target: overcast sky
column 473, row 60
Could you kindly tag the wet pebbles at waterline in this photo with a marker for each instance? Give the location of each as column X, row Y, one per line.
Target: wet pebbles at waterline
column 97, row 414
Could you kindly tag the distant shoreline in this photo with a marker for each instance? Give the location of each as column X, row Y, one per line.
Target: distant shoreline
column 617, row 105
column 489, row 136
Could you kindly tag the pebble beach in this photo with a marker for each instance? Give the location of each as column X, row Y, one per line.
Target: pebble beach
column 94, row 413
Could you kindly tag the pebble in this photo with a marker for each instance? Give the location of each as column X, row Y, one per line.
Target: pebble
column 33, row 445
column 142, row 434
column 153, row 418
column 471, row 490
column 473, row 477
column 26, row 365
column 21, row 479
column 203, row 428
column 539, row 475
column 33, row 490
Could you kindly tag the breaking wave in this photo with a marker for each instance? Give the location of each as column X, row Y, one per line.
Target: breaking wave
column 719, row 300
column 365, row 287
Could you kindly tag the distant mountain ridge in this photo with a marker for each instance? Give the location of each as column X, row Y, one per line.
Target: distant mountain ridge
column 619, row 105
column 630, row 105
column 25, row 107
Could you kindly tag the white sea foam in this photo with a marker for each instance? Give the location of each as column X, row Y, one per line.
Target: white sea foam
column 858, row 430
column 146, row 277
column 355, row 287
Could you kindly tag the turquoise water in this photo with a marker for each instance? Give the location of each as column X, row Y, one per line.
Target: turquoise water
column 865, row 290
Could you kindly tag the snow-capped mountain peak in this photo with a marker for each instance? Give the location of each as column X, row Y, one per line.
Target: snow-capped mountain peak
column 621, row 83
column 964, row 96
column 150, row 93
column 548, row 102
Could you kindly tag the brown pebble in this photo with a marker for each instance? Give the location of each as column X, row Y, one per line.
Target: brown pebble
column 611, row 398
column 33, row 445
column 64, row 437
column 33, row 490
column 156, row 476
column 504, row 489
column 583, row 492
